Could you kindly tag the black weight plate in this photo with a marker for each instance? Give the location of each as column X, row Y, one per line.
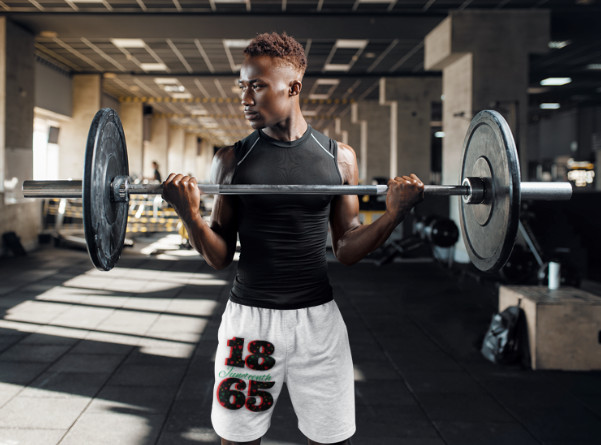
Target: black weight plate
column 489, row 229
column 104, row 221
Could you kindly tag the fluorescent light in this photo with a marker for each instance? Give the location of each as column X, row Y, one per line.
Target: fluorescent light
column 337, row 67
column 439, row 134
column 358, row 44
column 327, row 81
column 174, row 88
column 555, row 81
column 166, row 80
column 236, row 43
column 549, row 106
column 153, row 66
column 129, row 43
column 558, row 44
column 310, row 113
column 181, row 95
column 594, row 66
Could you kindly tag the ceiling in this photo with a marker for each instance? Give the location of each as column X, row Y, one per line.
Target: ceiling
column 182, row 56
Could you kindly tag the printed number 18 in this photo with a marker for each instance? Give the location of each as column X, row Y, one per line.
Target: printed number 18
column 260, row 358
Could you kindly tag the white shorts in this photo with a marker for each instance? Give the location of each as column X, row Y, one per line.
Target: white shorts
column 260, row 349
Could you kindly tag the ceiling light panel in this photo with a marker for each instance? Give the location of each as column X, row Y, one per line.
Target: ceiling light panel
column 357, row 44
column 166, row 81
column 153, row 67
column 555, row 81
column 236, row 43
column 129, row 43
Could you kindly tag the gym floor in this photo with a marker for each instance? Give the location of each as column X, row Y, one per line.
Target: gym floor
column 126, row 357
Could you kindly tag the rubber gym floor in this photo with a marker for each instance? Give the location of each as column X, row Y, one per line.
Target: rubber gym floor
column 126, row 357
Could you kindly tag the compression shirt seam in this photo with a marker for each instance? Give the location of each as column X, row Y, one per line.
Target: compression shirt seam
column 248, row 152
column 322, row 147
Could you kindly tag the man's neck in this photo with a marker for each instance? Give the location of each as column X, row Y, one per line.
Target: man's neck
column 288, row 130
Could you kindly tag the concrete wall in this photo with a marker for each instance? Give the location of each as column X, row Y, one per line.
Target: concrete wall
column 53, row 88
column 73, row 135
column 204, row 161
column 175, row 156
column 554, row 136
column 107, row 101
column 413, row 99
column 190, row 153
column 17, row 94
column 133, row 126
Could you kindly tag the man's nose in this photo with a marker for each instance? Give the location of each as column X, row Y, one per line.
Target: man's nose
column 247, row 99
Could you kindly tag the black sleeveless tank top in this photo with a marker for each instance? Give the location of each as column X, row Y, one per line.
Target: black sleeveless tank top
column 283, row 237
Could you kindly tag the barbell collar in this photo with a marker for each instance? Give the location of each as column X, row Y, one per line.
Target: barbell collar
column 476, row 191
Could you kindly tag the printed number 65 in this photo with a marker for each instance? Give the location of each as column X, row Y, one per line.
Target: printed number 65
column 232, row 399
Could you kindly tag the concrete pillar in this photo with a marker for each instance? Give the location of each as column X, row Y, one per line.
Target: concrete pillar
column 375, row 157
column 132, row 118
column 411, row 99
column 87, row 94
column 204, row 161
column 360, row 126
column 175, row 156
column 157, row 148
column 484, row 59
column 350, row 133
column 17, row 94
column 190, row 153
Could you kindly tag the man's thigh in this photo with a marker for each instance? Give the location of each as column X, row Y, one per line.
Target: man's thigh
column 320, row 375
column 249, row 372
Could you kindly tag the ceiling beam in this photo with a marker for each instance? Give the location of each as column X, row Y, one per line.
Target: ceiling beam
column 309, row 75
column 229, row 26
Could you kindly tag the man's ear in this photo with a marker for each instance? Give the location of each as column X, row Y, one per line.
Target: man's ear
column 295, row 87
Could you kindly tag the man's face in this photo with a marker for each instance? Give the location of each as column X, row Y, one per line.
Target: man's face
column 266, row 91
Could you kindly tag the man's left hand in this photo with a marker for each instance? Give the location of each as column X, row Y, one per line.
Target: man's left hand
column 404, row 193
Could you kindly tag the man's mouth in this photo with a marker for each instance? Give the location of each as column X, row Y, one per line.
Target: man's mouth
column 250, row 115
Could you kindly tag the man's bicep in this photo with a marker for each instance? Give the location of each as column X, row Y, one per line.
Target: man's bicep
column 224, row 218
column 344, row 215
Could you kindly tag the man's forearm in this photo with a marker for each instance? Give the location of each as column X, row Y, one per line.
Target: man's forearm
column 210, row 244
column 356, row 243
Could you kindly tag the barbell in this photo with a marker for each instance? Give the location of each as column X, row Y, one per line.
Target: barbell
column 490, row 190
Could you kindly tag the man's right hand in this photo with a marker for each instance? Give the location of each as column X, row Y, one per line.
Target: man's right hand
column 183, row 194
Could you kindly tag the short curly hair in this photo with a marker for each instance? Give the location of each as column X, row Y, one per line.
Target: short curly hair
column 280, row 47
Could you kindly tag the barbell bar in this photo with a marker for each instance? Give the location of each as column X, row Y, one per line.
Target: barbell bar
column 550, row 191
column 491, row 190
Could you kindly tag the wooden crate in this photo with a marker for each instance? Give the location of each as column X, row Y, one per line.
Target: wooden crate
column 564, row 326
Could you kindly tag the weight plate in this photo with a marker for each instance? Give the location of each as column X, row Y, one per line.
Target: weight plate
column 104, row 221
column 489, row 229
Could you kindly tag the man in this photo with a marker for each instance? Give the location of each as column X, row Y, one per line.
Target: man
column 156, row 175
column 281, row 323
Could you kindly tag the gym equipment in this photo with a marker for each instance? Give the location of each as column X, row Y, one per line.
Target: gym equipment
column 433, row 230
column 491, row 190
